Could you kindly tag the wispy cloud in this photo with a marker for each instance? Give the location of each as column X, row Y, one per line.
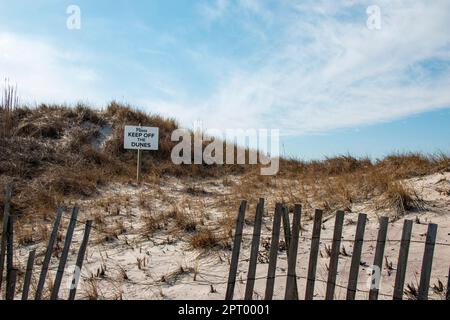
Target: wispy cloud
column 309, row 66
column 327, row 70
column 256, row 7
column 213, row 10
column 45, row 73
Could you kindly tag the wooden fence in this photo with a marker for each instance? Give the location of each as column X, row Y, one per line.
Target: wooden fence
column 11, row 272
column 281, row 224
column 291, row 236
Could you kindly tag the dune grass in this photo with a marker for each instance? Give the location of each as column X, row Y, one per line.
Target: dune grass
column 52, row 153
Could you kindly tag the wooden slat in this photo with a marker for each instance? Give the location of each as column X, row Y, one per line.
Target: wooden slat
column 313, row 255
column 10, row 257
column 273, row 252
column 402, row 260
column 4, row 231
column 64, row 254
column 286, row 228
column 379, row 254
column 80, row 259
column 356, row 257
column 254, row 251
column 447, row 296
column 287, row 234
column 48, row 254
column 28, row 275
column 11, row 284
column 427, row 262
column 291, row 281
column 236, row 250
column 334, row 259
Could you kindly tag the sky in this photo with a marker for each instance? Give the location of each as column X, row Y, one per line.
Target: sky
column 335, row 77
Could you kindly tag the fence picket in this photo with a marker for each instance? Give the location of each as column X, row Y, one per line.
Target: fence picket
column 236, row 250
column 80, row 259
column 273, row 252
column 427, row 262
column 287, row 234
column 286, row 228
column 334, row 259
column 356, row 257
column 64, row 254
column 48, row 254
column 28, row 274
column 10, row 277
column 447, row 296
column 11, row 284
column 313, row 255
column 379, row 254
column 291, row 236
column 402, row 260
column 254, row 251
column 4, row 231
column 291, row 281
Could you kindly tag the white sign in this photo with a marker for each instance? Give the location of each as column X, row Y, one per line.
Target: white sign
column 141, row 138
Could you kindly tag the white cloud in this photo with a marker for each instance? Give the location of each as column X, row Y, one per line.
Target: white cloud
column 213, row 10
column 256, row 7
column 327, row 72
column 318, row 68
column 45, row 73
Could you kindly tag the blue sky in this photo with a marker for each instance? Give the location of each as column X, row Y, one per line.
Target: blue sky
column 312, row 69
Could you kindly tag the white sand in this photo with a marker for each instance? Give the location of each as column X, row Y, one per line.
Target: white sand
column 198, row 274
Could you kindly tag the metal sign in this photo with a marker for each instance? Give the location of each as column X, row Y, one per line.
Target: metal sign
column 141, row 138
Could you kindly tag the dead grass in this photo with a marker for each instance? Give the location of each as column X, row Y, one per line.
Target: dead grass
column 185, row 220
column 227, row 223
column 25, row 234
column 153, row 222
column 113, row 230
column 206, row 239
column 340, row 183
column 53, row 154
column 172, row 277
column 440, row 290
column 411, row 291
column 91, row 289
column 400, row 198
column 9, row 103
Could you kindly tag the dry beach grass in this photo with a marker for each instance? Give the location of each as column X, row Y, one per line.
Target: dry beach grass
column 74, row 155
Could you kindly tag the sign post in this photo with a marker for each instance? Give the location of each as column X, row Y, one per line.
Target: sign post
column 138, row 166
column 140, row 138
